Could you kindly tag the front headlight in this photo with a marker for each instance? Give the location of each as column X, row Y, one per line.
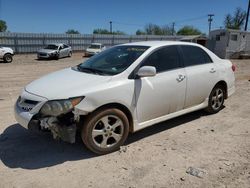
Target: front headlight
column 58, row 107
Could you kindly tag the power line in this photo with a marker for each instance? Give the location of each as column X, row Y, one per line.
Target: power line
column 191, row 19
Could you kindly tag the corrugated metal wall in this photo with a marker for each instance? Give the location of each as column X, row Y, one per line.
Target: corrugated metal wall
column 31, row 42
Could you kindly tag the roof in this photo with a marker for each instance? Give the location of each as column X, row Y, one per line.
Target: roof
column 57, row 44
column 95, row 43
column 230, row 30
column 160, row 43
column 192, row 37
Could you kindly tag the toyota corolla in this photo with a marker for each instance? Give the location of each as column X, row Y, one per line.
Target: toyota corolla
column 124, row 89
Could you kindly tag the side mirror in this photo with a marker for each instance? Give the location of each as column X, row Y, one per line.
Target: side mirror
column 146, row 71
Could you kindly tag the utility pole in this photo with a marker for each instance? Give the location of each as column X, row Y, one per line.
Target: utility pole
column 247, row 15
column 210, row 19
column 110, row 25
column 173, row 24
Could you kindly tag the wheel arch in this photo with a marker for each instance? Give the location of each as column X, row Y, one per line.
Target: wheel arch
column 121, row 107
column 8, row 53
column 224, row 85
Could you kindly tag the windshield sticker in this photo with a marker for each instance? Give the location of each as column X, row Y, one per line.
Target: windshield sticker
column 136, row 49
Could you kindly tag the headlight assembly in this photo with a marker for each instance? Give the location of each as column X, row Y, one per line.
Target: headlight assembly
column 58, row 107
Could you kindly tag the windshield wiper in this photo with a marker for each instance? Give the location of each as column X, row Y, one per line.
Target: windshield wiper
column 91, row 70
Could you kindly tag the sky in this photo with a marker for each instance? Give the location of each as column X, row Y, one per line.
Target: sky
column 57, row 16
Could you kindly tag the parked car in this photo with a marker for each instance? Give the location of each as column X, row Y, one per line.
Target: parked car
column 6, row 54
column 55, row 51
column 125, row 89
column 94, row 48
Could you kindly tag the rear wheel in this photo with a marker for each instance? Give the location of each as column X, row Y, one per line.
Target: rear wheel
column 105, row 131
column 216, row 99
column 7, row 58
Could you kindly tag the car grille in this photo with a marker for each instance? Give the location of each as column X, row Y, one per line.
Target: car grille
column 42, row 54
column 25, row 104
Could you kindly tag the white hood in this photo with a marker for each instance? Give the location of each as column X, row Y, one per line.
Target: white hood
column 47, row 51
column 93, row 50
column 65, row 84
column 7, row 49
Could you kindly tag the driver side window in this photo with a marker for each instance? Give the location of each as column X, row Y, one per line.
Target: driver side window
column 164, row 59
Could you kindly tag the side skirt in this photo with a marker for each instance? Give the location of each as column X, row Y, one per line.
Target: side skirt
column 148, row 123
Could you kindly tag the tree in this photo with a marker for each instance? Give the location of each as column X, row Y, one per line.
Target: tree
column 189, row 30
column 235, row 21
column 140, row 32
column 3, row 26
column 153, row 29
column 101, row 31
column 119, row 33
column 105, row 31
column 72, row 31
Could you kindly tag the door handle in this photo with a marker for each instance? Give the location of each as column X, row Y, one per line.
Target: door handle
column 180, row 78
column 212, row 70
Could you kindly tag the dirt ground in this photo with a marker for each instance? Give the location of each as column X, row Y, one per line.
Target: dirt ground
column 159, row 156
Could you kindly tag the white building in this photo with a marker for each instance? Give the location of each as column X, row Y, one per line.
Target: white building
column 228, row 43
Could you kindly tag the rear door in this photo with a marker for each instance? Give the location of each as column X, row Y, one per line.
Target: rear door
column 201, row 74
column 165, row 92
column 64, row 51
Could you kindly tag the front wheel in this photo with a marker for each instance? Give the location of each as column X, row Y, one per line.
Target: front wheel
column 105, row 131
column 7, row 58
column 216, row 99
column 70, row 54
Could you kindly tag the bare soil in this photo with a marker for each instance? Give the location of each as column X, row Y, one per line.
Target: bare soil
column 158, row 156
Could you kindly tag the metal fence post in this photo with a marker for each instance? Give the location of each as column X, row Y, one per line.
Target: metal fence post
column 44, row 39
column 130, row 38
column 16, row 43
column 113, row 38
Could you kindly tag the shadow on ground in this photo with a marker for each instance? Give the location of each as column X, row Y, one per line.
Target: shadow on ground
column 20, row 148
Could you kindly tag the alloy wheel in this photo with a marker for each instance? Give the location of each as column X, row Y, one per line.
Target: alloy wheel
column 217, row 99
column 107, row 131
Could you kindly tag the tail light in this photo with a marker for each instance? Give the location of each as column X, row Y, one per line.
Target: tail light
column 233, row 68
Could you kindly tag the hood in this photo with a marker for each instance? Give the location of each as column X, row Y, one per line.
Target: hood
column 6, row 49
column 65, row 84
column 47, row 51
column 93, row 50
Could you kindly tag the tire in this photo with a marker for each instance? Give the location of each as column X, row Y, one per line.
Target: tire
column 216, row 99
column 57, row 56
column 104, row 131
column 7, row 58
column 70, row 54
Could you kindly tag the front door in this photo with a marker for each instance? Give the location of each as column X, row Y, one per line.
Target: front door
column 165, row 92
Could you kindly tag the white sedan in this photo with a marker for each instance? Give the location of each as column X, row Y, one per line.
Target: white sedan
column 94, row 48
column 124, row 89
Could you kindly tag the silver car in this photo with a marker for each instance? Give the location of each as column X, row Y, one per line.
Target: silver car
column 54, row 51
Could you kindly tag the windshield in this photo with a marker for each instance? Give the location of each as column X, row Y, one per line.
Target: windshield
column 51, row 47
column 114, row 60
column 95, row 46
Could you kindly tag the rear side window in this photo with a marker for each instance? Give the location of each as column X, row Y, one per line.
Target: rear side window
column 194, row 55
column 164, row 59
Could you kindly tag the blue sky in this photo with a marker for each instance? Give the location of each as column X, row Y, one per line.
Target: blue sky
column 57, row 16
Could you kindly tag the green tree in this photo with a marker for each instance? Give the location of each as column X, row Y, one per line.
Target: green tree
column 235, row 21
column 140, row 32
column 3, row 26
column 153, row 29
column 189, row 30
column 105, row 31
column 101, row 31
column 119, row 32
column 72, row 31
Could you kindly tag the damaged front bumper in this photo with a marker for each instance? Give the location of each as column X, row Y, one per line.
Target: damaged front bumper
column 27, row 114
